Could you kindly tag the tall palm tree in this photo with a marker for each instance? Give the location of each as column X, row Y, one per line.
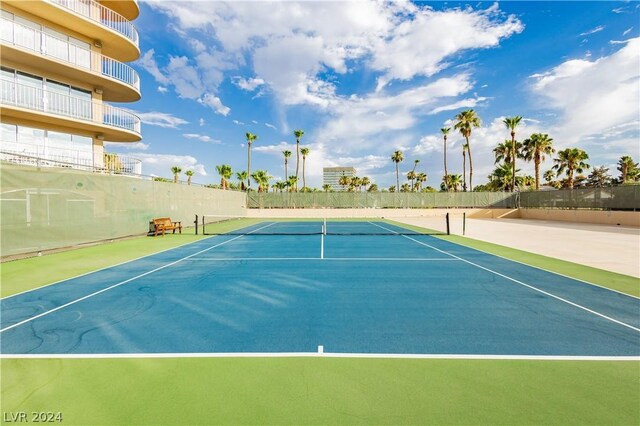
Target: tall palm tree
column 397, row 157
column 535, row 148
column 225, row 172
column 250, row 138
column 570, row 160
column 298, row 134
column 175, row 170
column 242, row 176
column 445, row 132
column 286, row 154
column 512, row 123
column 189, row 174
column 304, row 152
column 466, row 121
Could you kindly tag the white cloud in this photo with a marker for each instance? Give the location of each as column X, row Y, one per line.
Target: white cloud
column 249, row 85
column 127, row 146
column 214, row 103
column 239, row 123
column 161, row 119
column 627, row 31
column 593, row 96
column 202, row 138
column 593, row 31
column 271, row 126
column 201, row 122
column 162, row 89
column 148, row 62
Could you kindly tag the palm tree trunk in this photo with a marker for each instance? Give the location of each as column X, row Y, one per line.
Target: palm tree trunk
column 464, row 170
column 470, row 167
column 446, row 184
column 397, row 178
column 513, row 161
column 304, row 180
column 297, row 161
column 536, row 161
column 248, row 166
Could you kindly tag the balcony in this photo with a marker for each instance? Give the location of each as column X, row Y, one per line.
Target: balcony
column 129, row 9
column 38, row 156
column 69, row 112
column 119, row 82
column 116, row 34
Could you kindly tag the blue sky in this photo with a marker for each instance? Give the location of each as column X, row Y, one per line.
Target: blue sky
column 365, row 78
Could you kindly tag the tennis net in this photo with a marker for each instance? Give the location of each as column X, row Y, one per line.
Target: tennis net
column 228, row 225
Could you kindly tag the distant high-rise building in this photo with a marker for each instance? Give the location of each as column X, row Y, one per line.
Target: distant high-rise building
column 62, row 63
column 331, row 176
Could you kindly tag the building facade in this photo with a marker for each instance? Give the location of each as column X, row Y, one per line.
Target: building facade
column 62, row 62
column 331, row 176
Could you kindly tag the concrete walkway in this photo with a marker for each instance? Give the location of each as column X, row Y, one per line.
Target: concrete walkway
column 613, row 248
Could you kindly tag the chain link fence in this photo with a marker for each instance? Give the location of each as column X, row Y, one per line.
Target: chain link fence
column 624, row 197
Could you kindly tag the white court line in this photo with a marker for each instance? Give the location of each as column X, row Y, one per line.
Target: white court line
column 519, row 282
column 323, row 355
column 365, row 259
column 539, row 267
column 73, row 302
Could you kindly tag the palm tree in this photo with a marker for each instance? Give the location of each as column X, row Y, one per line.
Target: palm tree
column 344, row 181
column 420, row 179
column 175, row 170
column 326, row 187
column 454, row 181
column 628, row 169
column 512, row 123
column 298, row 134
column 250, row 138
column 570, row 160
column 392, row 188
column 304, row 152
column 189, row 174
column 405, row 187
column 373, row 188
column 224, row 170
column 503, row 152
column 535, row 148
column 280, row 185
column 286, row 154
column 466, row 121
column 365, row 181
column 411, row 176
column 397, row 157
column 501, row 178
column 292, row 182
column 261, row 177
column 549, row 176
column 241, row 176
column 445, row 132
column 465, row 148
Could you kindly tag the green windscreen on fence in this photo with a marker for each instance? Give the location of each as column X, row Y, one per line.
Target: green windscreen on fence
column 51, row 208
column 382, row 200
column 624, row 197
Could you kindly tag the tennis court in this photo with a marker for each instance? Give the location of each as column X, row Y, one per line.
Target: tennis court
column 352, row 288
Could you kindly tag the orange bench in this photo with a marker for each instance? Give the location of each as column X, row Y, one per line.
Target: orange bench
column 163, row 224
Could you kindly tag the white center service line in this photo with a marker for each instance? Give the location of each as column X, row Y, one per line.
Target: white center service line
column 515, row 281
column 73, row 302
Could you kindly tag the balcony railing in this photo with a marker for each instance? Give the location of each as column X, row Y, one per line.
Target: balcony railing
column 35, row 156
column 96, row 12
column 47, row 45
column 36, row 98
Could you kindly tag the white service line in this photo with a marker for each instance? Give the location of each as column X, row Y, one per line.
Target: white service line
column 517, row 281
column 73, row 302
column 351, row 259
column 323, row 354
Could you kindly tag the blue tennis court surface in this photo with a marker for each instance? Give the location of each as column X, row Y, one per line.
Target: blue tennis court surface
column 382, row 294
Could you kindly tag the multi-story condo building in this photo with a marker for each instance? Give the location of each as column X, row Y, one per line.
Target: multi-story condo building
column 331, row 176
column 62, row 62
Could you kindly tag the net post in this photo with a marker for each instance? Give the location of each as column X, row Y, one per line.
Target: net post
column 464, row 222
column 447, row 220
column 324, row 226
column 195, row 222
column 203, row 229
